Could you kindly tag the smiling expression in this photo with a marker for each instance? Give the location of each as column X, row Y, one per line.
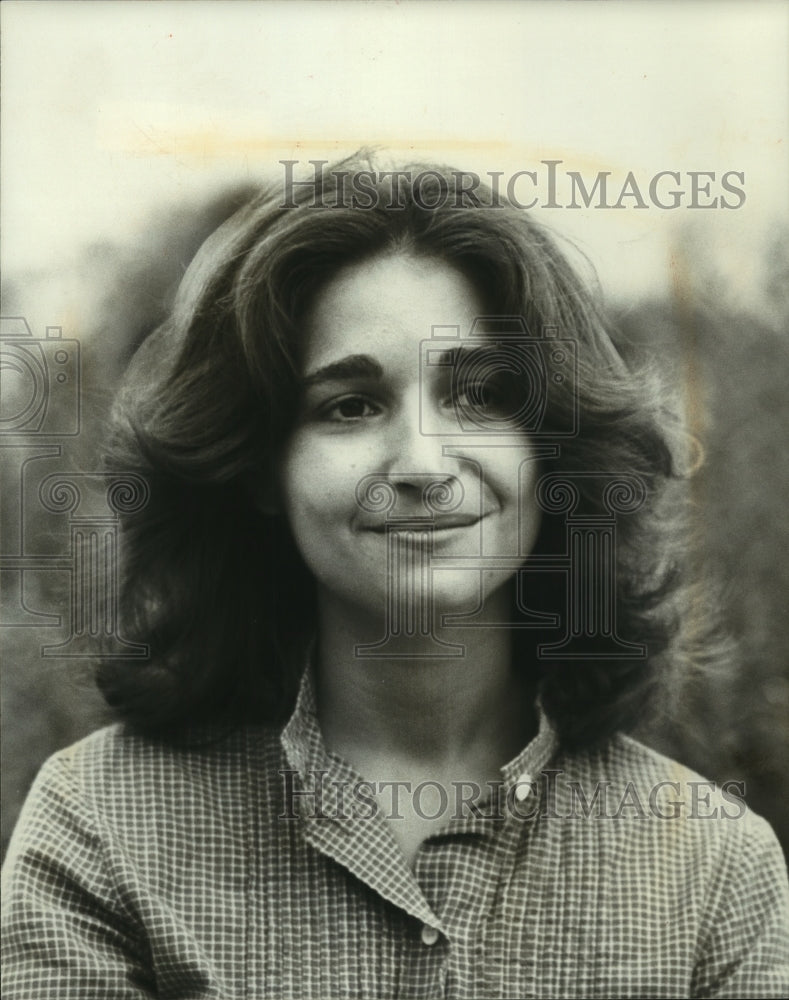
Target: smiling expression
column 360, row 438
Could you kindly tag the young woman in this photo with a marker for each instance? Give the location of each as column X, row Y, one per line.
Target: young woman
column 409, row 570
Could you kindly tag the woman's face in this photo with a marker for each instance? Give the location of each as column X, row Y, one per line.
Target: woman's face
column 375, row 404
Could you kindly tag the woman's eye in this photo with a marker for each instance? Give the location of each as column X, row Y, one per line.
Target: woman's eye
column 350, row 408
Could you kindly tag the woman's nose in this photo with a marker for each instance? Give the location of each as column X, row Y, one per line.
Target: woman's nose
column 424, row 480
column 409, row 475
column 413, row 453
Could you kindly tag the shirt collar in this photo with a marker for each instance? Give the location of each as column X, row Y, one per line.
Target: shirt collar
column 306, row 751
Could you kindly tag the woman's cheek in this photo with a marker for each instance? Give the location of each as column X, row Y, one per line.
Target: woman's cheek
column 317, row 483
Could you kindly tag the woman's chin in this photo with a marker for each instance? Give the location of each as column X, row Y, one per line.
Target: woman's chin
column 418, row 604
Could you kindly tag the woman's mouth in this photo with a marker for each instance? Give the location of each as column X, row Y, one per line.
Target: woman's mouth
column 438, row 525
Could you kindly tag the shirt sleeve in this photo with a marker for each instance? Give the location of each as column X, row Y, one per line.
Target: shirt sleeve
column 745, row 941
column 65, row 930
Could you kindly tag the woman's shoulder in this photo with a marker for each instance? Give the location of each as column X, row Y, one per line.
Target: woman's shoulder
column 115, row 772
column 119, row 746
column 652, row 799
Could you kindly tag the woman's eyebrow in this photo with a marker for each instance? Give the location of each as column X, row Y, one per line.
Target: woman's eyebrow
column 352, row 366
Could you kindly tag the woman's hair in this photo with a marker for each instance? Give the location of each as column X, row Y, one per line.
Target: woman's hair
column 217, row 587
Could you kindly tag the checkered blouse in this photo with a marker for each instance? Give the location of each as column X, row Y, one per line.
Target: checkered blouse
column 140, row 871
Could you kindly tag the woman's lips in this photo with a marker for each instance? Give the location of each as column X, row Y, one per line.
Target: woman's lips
column 450, row 522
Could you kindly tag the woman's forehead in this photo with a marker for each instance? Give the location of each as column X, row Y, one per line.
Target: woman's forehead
column 386, row 306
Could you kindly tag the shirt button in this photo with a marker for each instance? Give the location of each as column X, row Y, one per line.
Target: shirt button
column 523, row 787
column 429, row 935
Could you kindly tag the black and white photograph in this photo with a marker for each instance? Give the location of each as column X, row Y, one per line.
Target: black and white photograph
column 394, row 552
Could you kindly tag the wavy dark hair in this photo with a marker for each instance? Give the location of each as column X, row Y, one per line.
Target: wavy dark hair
column 218, row 589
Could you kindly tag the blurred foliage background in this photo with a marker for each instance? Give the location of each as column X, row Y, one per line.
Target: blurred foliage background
column 731, row 357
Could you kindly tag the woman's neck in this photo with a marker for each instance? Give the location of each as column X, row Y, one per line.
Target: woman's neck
column 460, row 715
